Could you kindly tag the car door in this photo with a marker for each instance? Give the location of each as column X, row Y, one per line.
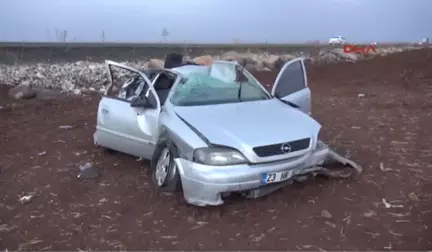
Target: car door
column 291, row 85
column 122, row 127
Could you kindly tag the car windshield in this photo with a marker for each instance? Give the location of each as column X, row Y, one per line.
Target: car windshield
column 223, row 83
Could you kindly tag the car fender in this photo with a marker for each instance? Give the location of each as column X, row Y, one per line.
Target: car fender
column 173, row 129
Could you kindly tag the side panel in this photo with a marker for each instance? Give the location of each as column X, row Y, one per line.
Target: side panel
column 121, row 127
column 117, row 128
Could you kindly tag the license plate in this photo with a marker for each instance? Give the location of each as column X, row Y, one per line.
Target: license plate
column 274, row 177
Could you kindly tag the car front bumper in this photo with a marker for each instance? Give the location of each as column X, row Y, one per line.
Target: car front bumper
column 204, row 184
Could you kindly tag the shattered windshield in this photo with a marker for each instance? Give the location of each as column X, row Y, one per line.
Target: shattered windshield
column 223, row 83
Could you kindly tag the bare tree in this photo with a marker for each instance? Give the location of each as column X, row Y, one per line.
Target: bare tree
column 185, row 49
column 49, row 34
column 103, row 36
column 61, row 35
column 165, row 33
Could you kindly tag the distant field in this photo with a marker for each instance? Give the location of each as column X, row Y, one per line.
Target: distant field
column 192, row 45
column 14, row 53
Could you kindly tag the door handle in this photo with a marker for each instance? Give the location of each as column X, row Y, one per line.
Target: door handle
column 105, row 111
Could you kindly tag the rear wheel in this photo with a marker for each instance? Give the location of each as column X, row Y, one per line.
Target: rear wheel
column 165, row 173
column 106, row 150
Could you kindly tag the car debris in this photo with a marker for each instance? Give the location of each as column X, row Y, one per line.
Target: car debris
column 87, row 171
column 326, row 214
column 26, row 198
column 388, row 205
column 383, row 169
column 332, row 159
column 65, row 127
column 210, row 130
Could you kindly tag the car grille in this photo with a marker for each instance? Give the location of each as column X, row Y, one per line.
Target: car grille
column 276, row 149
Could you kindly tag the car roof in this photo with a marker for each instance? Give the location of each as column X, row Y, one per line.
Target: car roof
column 185, row 70
column 182, row 70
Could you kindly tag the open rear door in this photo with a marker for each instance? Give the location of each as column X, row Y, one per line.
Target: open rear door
column 291, row 85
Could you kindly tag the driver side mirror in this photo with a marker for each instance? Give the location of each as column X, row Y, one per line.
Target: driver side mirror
column 141, row 102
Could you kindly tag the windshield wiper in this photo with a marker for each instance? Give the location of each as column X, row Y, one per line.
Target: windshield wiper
column 240, row 78
column 239, row 90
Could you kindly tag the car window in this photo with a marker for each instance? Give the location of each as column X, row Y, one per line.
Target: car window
column 224, row 72
column 292, row 80
column 223, row 83
column 132, row 88
column 127, row 84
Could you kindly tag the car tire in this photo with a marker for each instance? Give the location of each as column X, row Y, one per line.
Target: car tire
column 107, row 150
column 171, row 182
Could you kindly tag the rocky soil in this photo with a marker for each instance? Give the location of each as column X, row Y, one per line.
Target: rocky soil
column 82, row 76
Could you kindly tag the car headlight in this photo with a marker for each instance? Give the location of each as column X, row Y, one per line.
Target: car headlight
column 218, row 156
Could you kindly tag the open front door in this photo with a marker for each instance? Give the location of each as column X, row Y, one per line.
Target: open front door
column 291, row 85
column 120, row 126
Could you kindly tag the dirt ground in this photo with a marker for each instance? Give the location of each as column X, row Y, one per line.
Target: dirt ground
column 376, row 111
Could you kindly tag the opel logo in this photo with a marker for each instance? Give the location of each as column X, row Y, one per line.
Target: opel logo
column 286, row 148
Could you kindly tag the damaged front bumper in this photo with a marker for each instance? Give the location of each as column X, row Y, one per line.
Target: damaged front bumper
column 203, row 184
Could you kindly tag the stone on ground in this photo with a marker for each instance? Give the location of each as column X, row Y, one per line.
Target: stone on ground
column 22, row 91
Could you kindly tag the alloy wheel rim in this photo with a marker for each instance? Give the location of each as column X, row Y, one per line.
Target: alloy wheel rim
column 162, row 167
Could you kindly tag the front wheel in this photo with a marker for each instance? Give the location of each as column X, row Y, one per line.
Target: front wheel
column 165, row 173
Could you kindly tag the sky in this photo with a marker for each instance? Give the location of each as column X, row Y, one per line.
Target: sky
column 215, row 21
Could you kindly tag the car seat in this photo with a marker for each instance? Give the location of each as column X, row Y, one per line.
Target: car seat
column 173, row 60
column 163, row 87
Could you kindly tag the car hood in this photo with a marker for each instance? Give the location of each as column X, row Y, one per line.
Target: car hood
column 250, row 124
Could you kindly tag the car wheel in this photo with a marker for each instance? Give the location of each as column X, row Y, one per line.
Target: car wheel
column 108, row 150
column 165, row 173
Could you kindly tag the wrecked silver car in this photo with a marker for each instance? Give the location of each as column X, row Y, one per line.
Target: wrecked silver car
column 213, row 130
